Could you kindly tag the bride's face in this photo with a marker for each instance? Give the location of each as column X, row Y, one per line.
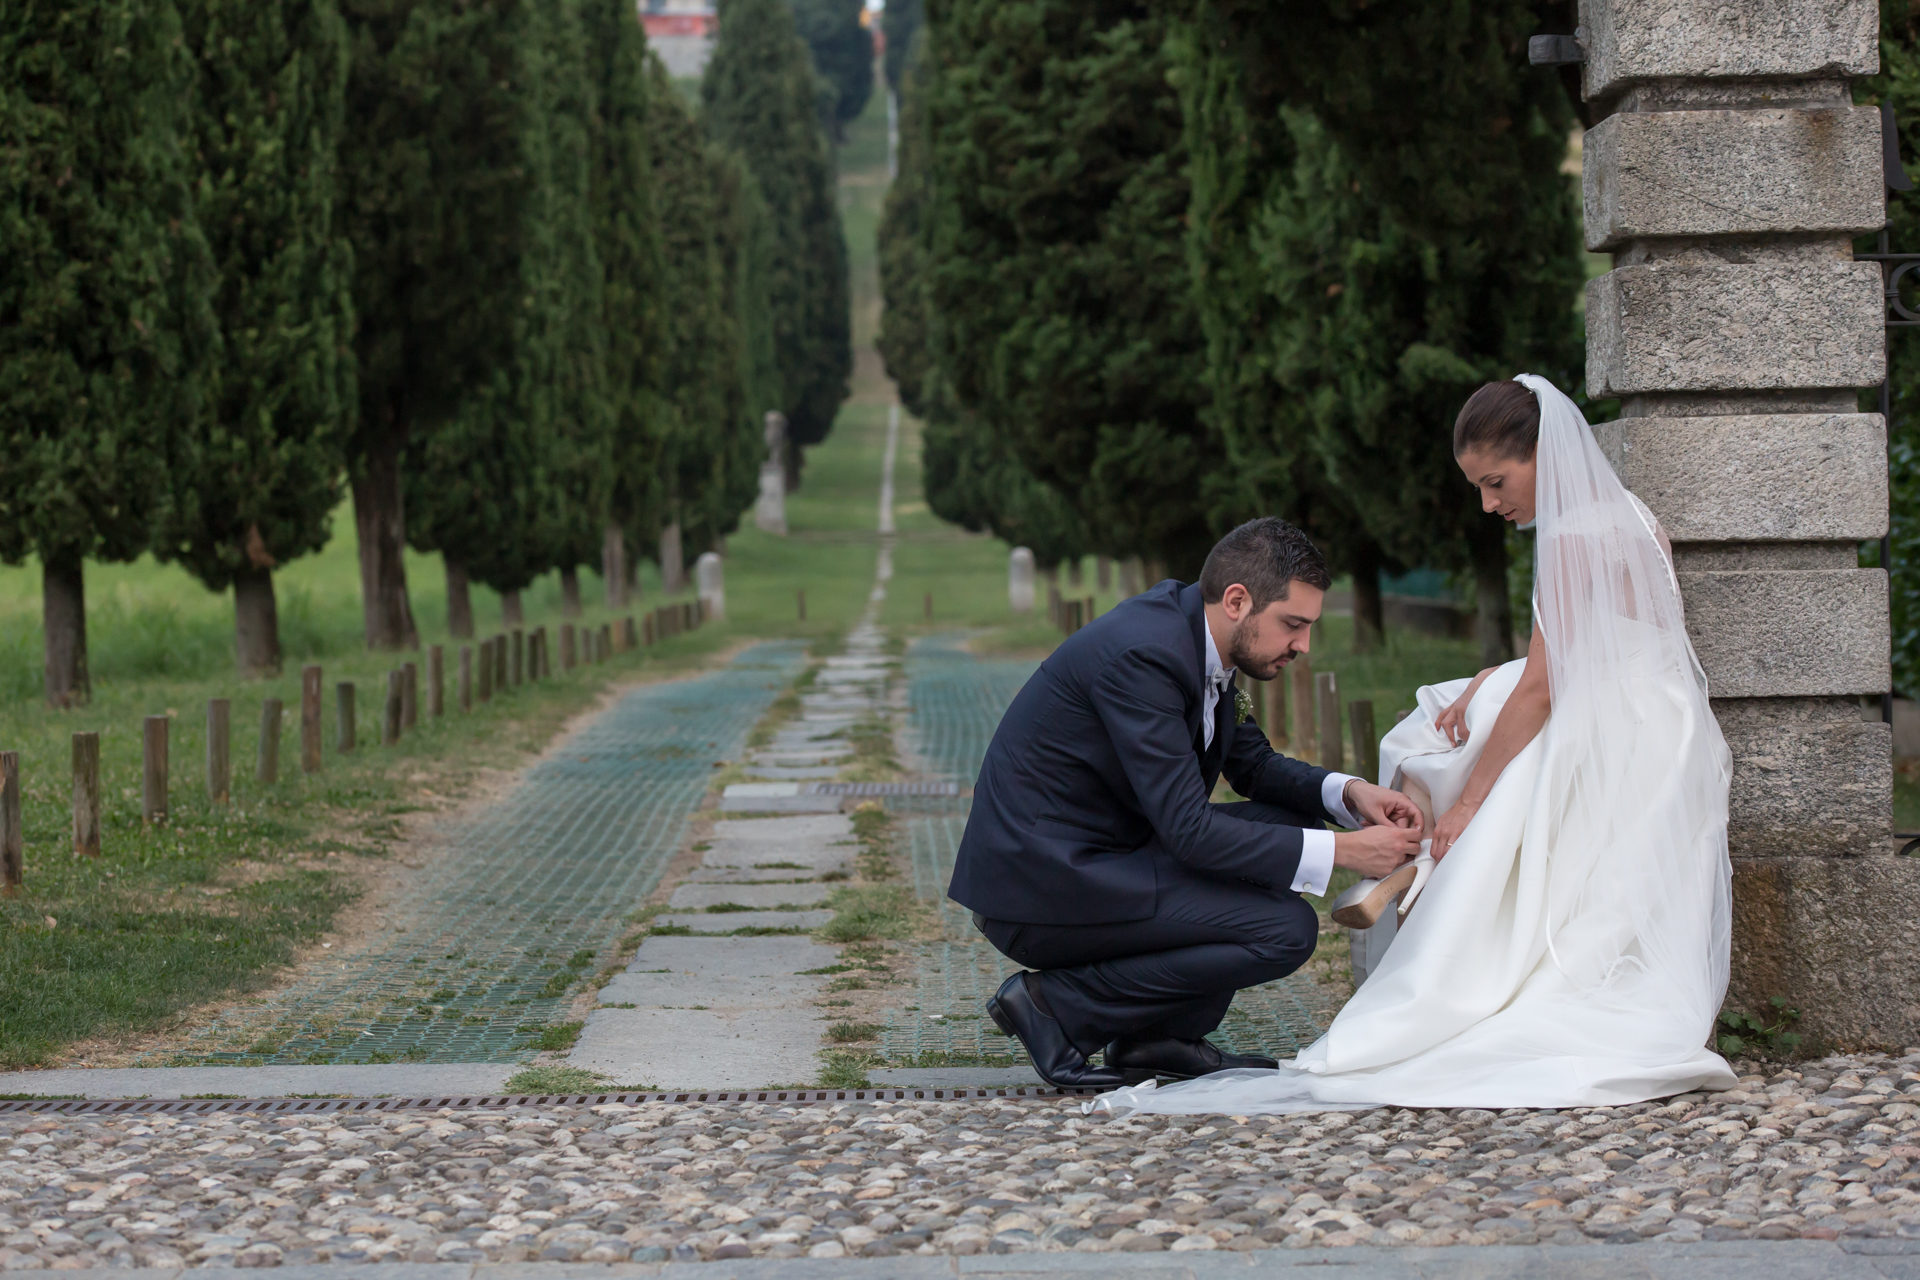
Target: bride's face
column 1505, row 484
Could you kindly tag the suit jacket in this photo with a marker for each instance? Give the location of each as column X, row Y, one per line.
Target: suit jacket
column 1097, row 770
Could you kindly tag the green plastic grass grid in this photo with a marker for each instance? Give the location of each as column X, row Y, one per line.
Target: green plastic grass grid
column 523, row 899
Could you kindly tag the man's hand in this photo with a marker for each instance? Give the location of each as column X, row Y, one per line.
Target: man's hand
column 1375, row 851
column 1376, row 806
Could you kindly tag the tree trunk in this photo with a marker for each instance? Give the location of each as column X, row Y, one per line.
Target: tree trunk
column 1103, row 573
column 380, row 520
column 570, row 592
column 459, row 600
column 673, row 564
column 791, row 461
column 613, row 566
column 256, row 622
column 1073, row 572
column 1369, row 626
column 512, row 614
column 63, row 612
column 1493, row 610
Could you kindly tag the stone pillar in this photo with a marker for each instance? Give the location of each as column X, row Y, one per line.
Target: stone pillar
column 1020, row 580
column 770, row 509
column 1727, row 176
column 709, row 580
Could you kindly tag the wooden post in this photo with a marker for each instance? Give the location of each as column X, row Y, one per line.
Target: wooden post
column 153, row 770
column 629, row 633
column 801, row 597
column 310, row 719
column 465, row 691
column 1366, row 747
column 567, row 649
column 646, row 630
column 409, row 695
column 926, row 609
column 390, row 723
column 1326, row 702
column 219, row 749
column 86, row 794
column 436, row 681
column 1305, row 740
column 606, row 641
column 13, row 848
column 346, row 730
column 518, row 667
column 483, row 661
column 1093, row 608
column 1273, row 710
column 500, row 663
column 267, row 764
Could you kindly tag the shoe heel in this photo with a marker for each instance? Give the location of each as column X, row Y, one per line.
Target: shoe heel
column 999, row 1017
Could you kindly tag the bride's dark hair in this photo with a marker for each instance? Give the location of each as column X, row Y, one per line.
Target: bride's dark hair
column 1502, row 418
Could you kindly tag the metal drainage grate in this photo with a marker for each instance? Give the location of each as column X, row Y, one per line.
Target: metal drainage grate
column 881, row 789
column 480, row 1102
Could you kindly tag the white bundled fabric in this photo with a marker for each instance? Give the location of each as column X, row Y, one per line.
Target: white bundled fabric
column 1571, row 949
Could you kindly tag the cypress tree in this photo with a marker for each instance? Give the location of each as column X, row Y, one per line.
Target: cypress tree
column 105, row 331
column 258, row 484
column 628, row 237
column 437, row 195
column 842, row 49
column 1368, row 253
column 969, row 478
column 900, row 25
column 517, row 482
column 758, row 93
column 1057, row 268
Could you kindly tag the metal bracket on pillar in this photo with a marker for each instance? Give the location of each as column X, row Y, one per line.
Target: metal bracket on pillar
column 1557, row 50
column 1895, row 173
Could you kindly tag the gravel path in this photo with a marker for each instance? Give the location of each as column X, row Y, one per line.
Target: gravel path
column 1825, row 1152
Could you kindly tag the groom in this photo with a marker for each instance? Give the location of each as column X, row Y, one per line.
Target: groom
column 1094, row 855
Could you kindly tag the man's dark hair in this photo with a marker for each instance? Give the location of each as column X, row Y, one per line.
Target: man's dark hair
column 1266, row 556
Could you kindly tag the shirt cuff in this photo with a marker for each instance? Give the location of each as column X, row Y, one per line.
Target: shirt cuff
column 1333, row 799
column 1316, row 863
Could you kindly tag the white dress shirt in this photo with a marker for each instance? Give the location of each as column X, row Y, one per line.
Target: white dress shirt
column 1316, row 846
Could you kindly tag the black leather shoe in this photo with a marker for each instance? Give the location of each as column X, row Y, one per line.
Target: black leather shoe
column 1054, row 1057
column 1177, row 1059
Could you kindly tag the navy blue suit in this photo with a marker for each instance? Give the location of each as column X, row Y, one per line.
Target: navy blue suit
column 1093, row 853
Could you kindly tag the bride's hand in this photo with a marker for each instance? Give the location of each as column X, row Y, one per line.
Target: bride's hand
column 1453, row 721
column 1451, row 824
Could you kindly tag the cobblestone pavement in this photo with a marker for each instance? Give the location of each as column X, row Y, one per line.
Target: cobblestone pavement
column 1826, row 1152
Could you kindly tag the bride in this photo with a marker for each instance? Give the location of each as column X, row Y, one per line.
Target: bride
column 1570, row 947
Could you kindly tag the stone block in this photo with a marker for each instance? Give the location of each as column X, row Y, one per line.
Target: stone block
column 1810, row 776
column 1670, row 326
column 1834, row 938
column 1631, row 41
column 1789, row 633
column 1756, row 477
column 1706, row 173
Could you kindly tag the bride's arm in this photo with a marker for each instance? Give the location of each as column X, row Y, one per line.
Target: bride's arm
column 1519, row 720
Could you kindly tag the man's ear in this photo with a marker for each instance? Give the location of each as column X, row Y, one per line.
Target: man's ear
column 1235, row 600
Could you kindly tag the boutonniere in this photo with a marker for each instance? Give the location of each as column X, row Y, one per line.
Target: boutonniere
column 1242, row 707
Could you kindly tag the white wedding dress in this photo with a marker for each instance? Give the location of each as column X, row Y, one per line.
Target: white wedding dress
column 1571, row 949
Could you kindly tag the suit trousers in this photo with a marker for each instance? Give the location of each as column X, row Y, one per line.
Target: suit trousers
column 1175, row 973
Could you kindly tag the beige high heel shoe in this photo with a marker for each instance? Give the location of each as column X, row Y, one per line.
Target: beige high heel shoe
column 1362, row 906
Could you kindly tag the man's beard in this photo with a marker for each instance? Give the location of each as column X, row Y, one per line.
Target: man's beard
column 1240, row 657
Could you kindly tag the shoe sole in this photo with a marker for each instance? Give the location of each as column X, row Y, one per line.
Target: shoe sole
column 1366, row 913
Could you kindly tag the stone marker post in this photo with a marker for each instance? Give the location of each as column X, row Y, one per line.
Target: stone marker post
column 709, row 575
column 1727, row 175
column 1020, row 580
column 770, row 510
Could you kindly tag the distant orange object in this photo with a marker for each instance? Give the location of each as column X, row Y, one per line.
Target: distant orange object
column 679, row 24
